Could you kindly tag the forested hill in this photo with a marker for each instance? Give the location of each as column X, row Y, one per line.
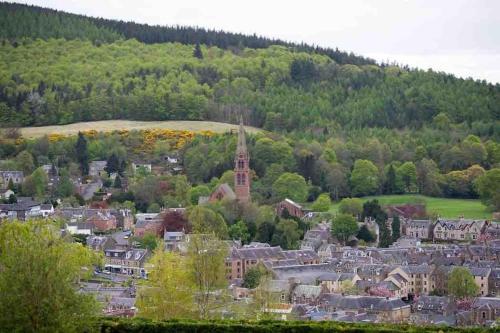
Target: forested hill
column 18, row 20
column 61, row 68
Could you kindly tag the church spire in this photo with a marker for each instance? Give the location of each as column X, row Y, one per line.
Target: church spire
column 242, row 142
column 242, row 167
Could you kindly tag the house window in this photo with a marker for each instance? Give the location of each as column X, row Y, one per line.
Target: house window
column 462, row 236
column 484, row 315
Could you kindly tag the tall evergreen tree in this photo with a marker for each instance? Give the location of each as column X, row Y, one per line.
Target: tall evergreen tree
column 11, row 185
column 390, row 184
column 197, row 51
column 113, row 164
column 82, row 153
column 396, row 228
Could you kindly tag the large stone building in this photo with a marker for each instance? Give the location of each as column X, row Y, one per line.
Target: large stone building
column 420, row 229
column 461, row 230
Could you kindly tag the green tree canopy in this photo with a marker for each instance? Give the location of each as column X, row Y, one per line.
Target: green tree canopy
column 488, row 186
column 292, row 186
column 206, row 221
column 198, row 191
column 169, row 290
column 352, row 206
column 322, row 203
column 38, row 283
column 343, row 227
column 364, row 178
column 287, row 234
column 461, row 283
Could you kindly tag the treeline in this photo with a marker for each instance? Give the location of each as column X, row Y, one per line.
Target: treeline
column 18, row 21
column 362, row 165
column 58, row 81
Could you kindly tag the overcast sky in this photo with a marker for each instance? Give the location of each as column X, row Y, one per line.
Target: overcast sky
column 456, row 36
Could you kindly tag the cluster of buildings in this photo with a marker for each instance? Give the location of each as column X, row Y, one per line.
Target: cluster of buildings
column 322, row 280
column 397, row 284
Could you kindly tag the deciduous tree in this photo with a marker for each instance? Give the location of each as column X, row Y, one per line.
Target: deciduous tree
column 364, row 178
column 461, row 283
column 169, row 291
column 38, row 283
column 343, row 227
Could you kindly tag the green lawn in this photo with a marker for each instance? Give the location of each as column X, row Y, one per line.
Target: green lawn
column 449, row 208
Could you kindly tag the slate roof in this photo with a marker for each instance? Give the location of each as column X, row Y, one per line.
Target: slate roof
column 418, row 269
column 257, row 253
column 480, row 271
column 432, row 303
column 369, row 303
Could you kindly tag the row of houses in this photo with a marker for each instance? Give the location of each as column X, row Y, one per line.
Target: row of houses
column 449, row 230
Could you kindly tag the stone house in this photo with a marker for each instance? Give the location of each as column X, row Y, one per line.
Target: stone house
column 25, row 208
column 494, row 282
column 17, row 178
column 459, row 230
column 316, row 237
column 483, row 310
column 129, row 262
column 421, row 229
column 401, row 283
column 420, row 278
column 481, row 276
column 242, row 259
column 174, row 240
column 97, row 168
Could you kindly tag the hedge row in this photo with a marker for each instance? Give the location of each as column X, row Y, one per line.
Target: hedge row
column 184, row 326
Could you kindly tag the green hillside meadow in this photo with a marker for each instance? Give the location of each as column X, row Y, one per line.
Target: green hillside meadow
column 444, row 207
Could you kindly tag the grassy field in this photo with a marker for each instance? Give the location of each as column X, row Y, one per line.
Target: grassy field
column 112, row 125
column 449, row 208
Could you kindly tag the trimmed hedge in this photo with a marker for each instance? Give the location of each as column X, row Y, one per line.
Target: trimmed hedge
column 137, row 325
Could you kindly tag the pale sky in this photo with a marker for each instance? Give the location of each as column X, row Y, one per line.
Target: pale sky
column 456, row 36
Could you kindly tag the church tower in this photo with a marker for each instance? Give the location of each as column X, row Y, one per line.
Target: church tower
column 242, row 167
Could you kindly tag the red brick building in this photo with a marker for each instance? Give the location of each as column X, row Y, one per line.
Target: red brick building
column 293, row 208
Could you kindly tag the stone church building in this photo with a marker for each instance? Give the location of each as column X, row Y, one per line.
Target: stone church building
column 241, row 190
